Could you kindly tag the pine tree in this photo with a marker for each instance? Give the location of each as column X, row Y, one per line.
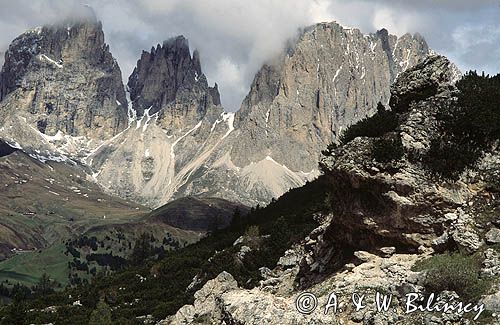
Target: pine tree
column 142, row 249
column 101, row 315
column 44, row 286
column 237, row 220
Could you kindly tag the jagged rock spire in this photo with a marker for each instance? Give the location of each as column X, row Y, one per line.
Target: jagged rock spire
column 166, row 73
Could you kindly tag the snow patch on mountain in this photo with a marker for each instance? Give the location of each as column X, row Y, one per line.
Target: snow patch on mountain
column 43, row 57
column 229, row 119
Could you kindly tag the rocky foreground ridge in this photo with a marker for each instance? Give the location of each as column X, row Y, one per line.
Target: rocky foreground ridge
column 62, row 99
column 388, row 214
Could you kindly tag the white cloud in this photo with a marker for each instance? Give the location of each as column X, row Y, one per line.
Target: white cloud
column 320, row 11
column 477, row 47
column 230, row 78
column 387, row 18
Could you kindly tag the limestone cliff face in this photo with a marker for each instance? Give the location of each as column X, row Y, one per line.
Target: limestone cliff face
column 175, row 126
column 169, row 76
column 329, row 79
column 62, row 78
column 62, row 95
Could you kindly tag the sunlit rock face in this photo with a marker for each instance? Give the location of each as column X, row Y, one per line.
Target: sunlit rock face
column 64, row 78
column 329, row 79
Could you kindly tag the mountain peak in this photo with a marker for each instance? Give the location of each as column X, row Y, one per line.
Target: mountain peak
column 84, row 15
column 332, row 77
column 69, row 77
column 166, row 73
column 178, row 41
column 88, row 14
column 76, row 39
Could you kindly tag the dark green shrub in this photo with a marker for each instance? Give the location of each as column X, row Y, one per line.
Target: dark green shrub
column 454, row 272
column 467, row 126
column 401, row 104
column 448, row 159
column 476, row 115
column 375, row 126
column 388, row 149
column 13, row 314
column 493, row 184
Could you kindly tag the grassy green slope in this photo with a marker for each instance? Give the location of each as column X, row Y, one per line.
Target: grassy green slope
column 198, row 214
column 40, row 204
column 27, row 268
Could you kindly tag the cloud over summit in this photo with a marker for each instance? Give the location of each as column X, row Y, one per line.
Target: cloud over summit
column 236, row 37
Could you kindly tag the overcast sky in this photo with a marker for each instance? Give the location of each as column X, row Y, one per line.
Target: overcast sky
column 235, row 37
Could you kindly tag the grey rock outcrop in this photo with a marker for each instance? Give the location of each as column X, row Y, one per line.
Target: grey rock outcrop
column 493, row 236
column 64, row 78
column 463, row 232
column 491, row 263
column 423, row 81
column 329, row 79
column 492, row 302
column 221, row 301
column 206, row 301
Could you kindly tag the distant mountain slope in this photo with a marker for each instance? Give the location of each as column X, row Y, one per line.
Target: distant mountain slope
column 328, row 79
column 299, row 102
column 176, row 125
column 44, row 206
column 43, row 203
column 103, row 248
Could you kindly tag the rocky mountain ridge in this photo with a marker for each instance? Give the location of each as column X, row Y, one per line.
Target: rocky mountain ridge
column 61, row 91
column 44, row 203
column 331, row 78
column 166, row 74
column 65, row 76
column 175, row 126
column 299, row 105
column 172, row 137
